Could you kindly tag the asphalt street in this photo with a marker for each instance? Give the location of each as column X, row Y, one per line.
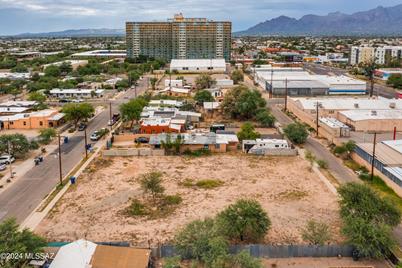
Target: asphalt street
column 25, row 194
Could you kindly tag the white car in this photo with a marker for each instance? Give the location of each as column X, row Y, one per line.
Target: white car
column 6, row 159
column 3, row 167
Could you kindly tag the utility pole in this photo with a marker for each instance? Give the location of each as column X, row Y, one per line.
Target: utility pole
column 286, row 94
column 372, row 160
column 317, row 123
column 272, row 79
column 371, row 85
column 86, row 143
column 9, row 153
column 60, row 168
column 110, row 115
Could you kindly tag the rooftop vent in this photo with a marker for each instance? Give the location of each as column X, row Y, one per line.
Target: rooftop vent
column 356, row 105
column 373, row 113
column 392, row 105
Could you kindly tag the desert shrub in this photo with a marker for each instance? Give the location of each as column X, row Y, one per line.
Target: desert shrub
column 209, row 183
column 137, row 208
column 322, row 164
column 173, row 262
column 316, row 233
column 169, row 200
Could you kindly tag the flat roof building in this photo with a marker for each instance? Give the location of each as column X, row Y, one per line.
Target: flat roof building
column 198, row 65
column 76, row 93
column 179, row 38
column 100, row 54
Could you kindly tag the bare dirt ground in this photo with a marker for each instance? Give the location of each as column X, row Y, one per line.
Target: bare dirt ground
column 321, row 263
column 285, row 187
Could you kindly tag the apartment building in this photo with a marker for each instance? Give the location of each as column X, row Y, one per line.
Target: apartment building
column 179, row 38
column 381, row 55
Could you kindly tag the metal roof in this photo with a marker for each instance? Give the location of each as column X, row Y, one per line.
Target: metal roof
column 359, row 115
column 201, row 63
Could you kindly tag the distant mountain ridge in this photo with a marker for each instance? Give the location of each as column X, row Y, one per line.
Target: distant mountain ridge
column 77, row 33
column 378, row 21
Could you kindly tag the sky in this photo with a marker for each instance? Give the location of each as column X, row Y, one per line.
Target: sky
column 22, row 16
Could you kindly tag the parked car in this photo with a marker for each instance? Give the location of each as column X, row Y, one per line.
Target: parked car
column 6, row 159
column 141, row 140
column 64, row 100
column 3, row 167
column 82, row 127
column 98, row 134
column 111, row 122
column 77, row 100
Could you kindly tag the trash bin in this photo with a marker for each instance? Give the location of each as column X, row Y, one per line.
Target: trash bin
column 65, row 139
column 72, row 179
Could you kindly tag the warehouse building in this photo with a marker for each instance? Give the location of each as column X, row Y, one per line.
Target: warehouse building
column 198, row 66
column 372, row 120
column 297, row 88
column 387, row 161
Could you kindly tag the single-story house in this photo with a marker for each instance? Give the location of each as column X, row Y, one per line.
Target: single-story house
column 76, row 93
column 84, row 254
column 198, row 65
column 160, row 125
column 175, row 92
column 34, row 120
column 211, row 141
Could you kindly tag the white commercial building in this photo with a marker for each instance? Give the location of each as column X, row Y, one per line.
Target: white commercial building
column 173, row 83
column 76, row 93
column 101, row 53
column 198, row 65
column 343, row 84
column 74, row 63
column 14, row 76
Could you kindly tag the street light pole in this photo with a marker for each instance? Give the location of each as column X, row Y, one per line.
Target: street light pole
column 60, row 168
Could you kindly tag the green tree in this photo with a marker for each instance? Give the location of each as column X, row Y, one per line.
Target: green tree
column 237, row 76
column 37, row 96
column 244, row 220
column 395, row 80
column 53, row 71
column 193, row 241
column 316, row 233
column 65, row 68
column 265, row 118
column 12, row 240
column 170, row 145
column 131, row 111
column 204, row 81
column 20, row 68
column 75, row 112
column 133, row 77
column 153, row 81
column 296, row 132
column 242, row 103
column 247, row 132
column 151, row 183
column 46, row 135
column 370, row 239
column 17, row 143
column 245, row 260
column 360, row 201
column 203, row 96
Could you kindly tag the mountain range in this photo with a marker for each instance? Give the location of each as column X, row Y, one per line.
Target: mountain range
column 379, row 21
column 76, row 33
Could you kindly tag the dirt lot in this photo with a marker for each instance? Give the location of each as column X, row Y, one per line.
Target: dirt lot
column 285, row 187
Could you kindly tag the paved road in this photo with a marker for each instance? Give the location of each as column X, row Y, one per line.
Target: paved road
column 380, row 90
column 338, row 170
column 25, row 194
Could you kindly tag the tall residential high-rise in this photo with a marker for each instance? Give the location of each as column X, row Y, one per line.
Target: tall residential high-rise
column 180, row 38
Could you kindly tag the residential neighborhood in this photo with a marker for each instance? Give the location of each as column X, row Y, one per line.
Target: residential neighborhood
column 184, row 142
